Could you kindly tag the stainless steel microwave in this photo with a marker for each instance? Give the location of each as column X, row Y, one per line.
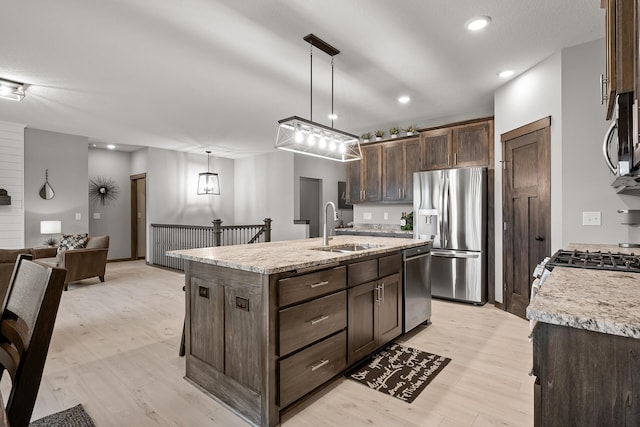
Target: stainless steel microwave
column 621, row 138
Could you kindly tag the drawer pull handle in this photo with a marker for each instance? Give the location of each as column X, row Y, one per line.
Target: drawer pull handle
column 319, row 364
column 315, row 285
column 319, row 319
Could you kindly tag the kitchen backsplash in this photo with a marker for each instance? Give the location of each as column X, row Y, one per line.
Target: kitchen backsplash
column 379, row 214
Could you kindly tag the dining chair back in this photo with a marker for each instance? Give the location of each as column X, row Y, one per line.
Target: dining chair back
column 26, row 326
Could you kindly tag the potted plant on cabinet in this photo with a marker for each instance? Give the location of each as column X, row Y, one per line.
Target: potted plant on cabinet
column 394, row 132
column 410, row 130
column 366, row 137
column 379, row 135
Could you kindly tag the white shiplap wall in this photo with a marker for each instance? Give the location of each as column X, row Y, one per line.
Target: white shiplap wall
column 12, row 180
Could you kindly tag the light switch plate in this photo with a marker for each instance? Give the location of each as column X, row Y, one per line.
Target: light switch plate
column 366, row 215
column 96, row 215
column 386, row 215
column 78, row 216
column 591, row 218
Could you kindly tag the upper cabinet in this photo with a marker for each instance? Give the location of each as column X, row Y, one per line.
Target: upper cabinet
column 400, row 159
column 364, row 177
column 458, row 146
column 621, row 57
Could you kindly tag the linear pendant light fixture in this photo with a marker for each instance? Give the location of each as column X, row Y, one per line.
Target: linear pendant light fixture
column 208, row 182
column 314, row 139
column 11, row 90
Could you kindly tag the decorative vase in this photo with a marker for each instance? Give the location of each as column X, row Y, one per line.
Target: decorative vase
column 394, row 135
column 378, row 138
column 365, row 141
column 409, row 133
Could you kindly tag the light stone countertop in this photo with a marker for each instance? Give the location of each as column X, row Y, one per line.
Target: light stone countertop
column 595, row 300
column 288, row 255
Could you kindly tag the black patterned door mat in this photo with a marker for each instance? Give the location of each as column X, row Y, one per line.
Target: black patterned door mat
column 402, row 372
column 72, row 417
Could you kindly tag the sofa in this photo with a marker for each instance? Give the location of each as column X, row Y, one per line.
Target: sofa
column 90, row 261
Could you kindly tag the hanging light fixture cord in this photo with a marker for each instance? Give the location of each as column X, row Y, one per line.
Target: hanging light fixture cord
column 208, row 152
column 332, row 116
column 311, row 81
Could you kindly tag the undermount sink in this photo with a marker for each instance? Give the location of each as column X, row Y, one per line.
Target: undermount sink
column 348, row 248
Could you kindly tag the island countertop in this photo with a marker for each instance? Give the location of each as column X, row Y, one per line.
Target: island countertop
column 595, row 300
column 281, row 256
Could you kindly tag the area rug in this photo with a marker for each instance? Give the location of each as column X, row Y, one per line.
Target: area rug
column 72, row 417
column 400, row 371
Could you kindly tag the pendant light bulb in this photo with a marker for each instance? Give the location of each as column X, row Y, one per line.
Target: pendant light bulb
column 311, row 139
column 323, row 142
column 343, row 149
column 299, row 136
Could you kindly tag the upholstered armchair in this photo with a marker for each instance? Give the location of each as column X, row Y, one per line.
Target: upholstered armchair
column 84, row 263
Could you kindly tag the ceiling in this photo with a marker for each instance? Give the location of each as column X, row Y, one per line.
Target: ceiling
column 196, row 75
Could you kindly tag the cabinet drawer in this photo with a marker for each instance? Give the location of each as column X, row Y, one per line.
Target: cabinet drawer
column 311, row 321
column 389, row 265
column 362, row 272
column 307, row 286
column 304, row 371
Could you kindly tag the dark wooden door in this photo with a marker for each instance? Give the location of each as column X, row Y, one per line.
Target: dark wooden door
column 412, row 163
column 354, row 181
column 361, row 315
column 372, row 175
column 526, row 209
column 437, row 148
column 392, row 170
column 390, row 308
column 471, row 145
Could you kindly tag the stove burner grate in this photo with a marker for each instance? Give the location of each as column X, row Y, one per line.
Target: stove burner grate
column 614, row 261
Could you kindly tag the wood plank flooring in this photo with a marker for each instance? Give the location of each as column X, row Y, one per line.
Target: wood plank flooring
column 115, row 350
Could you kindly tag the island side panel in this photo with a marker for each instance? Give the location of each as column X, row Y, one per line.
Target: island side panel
column 241, row 346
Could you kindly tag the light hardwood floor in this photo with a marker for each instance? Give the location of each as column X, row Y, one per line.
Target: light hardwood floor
column 115, row 350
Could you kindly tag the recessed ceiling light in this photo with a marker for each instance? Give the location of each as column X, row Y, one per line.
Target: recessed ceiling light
column 333, row 116
column 404, row 99
column 505, row 74
column 477, row 23
column 111, row 146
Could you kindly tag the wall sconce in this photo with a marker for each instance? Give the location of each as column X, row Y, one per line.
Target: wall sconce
column 11, row 90
column 208, row 182
column 50, row 227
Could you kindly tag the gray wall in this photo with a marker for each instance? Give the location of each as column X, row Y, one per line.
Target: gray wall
column 66, row 158
column 12, row 180
column 585, row 177
column 115, row 218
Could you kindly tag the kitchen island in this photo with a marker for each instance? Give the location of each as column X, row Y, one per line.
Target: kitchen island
column 266, row 324
column 586, row 347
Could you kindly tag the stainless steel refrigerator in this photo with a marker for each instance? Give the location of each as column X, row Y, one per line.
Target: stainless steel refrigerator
column 450, row 208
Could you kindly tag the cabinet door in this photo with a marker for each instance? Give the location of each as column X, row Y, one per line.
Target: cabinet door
column 436, row 145
column 471, row 145
column 354, row 182
column 390, row 308
column 361, row 329
column 393, row 171
column 412, row 163
column 372, row 176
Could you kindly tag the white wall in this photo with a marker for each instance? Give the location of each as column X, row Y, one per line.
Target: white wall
column 531, row 96
column 585, row 177
column 12, row 180
column 115, row 215
column 377, row 211
column 265, row 186
column 66, row 158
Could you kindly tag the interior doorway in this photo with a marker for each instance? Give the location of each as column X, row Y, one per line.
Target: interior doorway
column 138, row 216
column 310, row 191
column 526, row 209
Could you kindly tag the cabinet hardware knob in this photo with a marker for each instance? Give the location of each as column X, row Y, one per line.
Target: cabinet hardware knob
column 539, row 238
column 319, row 319
column 316, row 285
column 319, row 364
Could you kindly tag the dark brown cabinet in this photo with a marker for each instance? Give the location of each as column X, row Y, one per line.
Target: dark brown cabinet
column 374, row 315
column 621, row 31
column 400, row 159
column 585, row 378
column 460, row 146
column 364, row 177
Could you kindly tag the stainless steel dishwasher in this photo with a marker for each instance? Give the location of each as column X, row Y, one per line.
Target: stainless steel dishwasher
column 416, row 283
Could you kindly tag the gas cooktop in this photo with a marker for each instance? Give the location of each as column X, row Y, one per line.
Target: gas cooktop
column 615, row 261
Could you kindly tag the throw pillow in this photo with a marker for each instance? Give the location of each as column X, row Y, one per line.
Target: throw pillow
column 72, row 241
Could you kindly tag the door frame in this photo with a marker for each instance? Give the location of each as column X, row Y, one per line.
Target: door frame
column 134, row 212
column 544, row 123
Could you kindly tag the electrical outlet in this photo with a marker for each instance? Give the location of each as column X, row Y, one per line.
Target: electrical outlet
column 591, row 218
column 96, row 215
column 386, row 215
column 78, row 216
column 367, row 215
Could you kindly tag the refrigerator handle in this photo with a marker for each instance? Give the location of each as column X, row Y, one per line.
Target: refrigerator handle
column 445, row 214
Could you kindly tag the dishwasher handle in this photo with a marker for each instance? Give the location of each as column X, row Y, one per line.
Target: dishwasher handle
column 423, row 255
